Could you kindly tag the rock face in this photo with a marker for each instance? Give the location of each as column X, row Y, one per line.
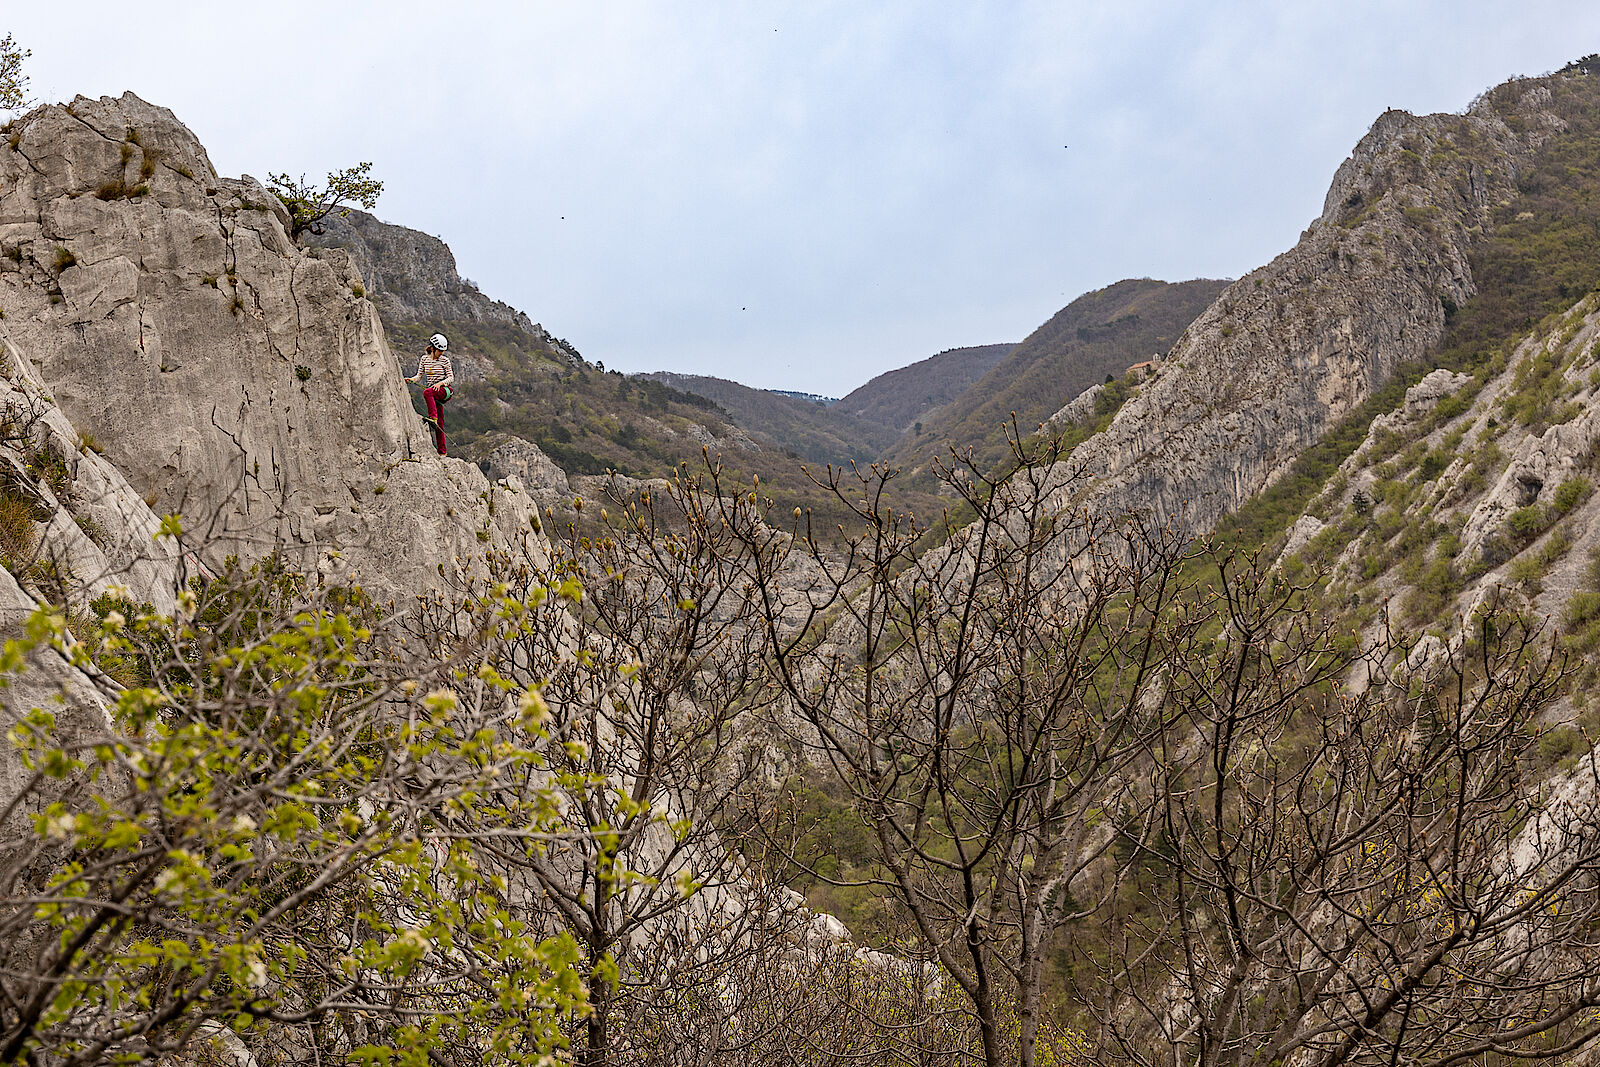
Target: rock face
column 87, row 528
column 1079, row 409
column 237, row 379
column 413, row 278
column 507, row 457
column 1287, row 350
column 73, row 528
column 1475, row 491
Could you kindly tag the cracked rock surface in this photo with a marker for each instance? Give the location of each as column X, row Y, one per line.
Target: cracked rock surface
column 233, row 377
column 1288, row 350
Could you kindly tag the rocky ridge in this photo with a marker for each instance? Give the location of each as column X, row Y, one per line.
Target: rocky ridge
column 1479, row 488
column 238, row 380
column 1287, row 350
column 412, row 277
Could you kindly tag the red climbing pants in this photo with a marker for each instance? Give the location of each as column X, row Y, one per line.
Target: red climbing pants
column 435, row 396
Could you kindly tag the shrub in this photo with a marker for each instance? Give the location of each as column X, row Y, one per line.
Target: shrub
column 92, row 529
column 1527, row 571
column 53, row 469
column 1571, row 493
column 1526, row 522
column 1582, row 608
column 1559, row 744
column 309, row 205
column 302, row 372
column 13, row 83
column 1493, row 552
column 64, row 258
column 18, row 538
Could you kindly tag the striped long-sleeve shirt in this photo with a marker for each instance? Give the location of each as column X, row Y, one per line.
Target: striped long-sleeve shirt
column 436, row 368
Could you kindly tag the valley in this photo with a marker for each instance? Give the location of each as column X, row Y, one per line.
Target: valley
column 1206, row 677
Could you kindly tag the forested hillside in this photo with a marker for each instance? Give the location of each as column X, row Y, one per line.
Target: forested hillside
column 817, row 433
column 906, row 397
column 1100, row 334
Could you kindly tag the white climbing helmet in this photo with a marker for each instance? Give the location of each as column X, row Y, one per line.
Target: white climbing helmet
column 439, row 342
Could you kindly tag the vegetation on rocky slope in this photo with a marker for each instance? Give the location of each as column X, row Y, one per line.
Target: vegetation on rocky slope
column 1541, row 258
column 1315, row 789
column 816, row 432
column 1096, row 337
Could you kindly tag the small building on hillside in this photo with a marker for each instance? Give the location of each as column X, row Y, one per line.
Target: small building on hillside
column 1140, row 371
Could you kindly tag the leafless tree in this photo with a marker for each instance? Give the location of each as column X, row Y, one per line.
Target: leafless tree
column 982, row 696
column 1373, row 876
column 646, row 656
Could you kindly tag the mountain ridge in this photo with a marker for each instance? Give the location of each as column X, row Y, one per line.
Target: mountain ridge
column 1099, row 334
column 1293, row 346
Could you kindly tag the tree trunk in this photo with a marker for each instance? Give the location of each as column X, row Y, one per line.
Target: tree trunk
column 596, row 1036
column 594, row 1052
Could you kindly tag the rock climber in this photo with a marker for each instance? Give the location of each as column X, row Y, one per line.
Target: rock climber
column 435, row 364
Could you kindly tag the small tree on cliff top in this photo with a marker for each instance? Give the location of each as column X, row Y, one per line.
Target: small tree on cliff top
column 12, row 80
column 310, row 204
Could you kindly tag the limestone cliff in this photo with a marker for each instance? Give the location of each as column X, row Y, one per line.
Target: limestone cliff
column 235, row 378
column 1287, row 350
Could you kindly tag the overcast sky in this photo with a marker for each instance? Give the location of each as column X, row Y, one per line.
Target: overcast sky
column 803, row 195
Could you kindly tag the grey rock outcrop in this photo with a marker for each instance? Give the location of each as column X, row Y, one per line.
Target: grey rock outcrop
column 1289, row 349
column 506, row 456
column 89, row 529
column 1540, row 462
column 74, row 529
column 1079, row 409
column 1497, row 503
column 410, row 274
column 235, row 378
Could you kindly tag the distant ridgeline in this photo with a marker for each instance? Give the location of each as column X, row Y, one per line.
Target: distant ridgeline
column 520, row 380
column 1463, row 221
column 813, row 398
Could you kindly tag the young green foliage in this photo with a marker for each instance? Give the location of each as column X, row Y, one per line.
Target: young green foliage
column 13, row 83
column 272, row 831
column 309, row 204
